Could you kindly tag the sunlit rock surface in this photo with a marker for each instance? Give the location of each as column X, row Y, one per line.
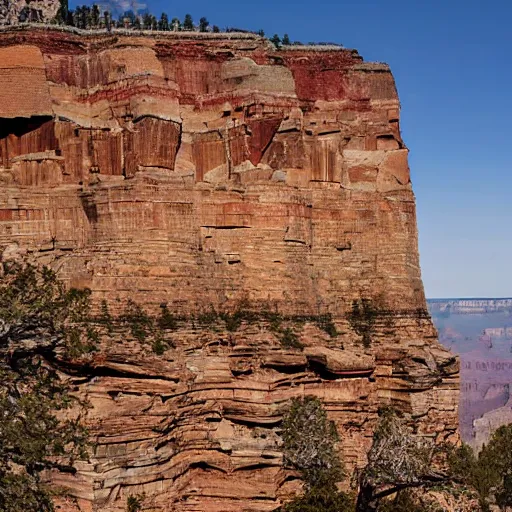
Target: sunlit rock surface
column 209, row 172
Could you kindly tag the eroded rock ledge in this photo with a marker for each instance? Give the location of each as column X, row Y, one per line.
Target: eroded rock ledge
column 204, row 173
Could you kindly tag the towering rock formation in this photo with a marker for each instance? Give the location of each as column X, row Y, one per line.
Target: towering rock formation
column 214, row 172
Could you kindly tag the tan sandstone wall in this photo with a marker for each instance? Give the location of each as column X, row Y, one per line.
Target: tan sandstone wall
column 207, row 172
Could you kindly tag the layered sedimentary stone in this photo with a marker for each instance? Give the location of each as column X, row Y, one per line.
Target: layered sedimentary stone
column 208, row 173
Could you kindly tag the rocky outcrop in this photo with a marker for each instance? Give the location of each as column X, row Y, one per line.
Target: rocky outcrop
column 215, row 172
column 13, row 12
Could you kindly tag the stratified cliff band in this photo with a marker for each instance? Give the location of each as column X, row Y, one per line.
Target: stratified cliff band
column 208, row 172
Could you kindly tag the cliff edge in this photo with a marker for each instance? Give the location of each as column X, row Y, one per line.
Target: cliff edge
column 211, row 173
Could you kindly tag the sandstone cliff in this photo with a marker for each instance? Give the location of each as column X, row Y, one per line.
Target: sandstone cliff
column 210, row 172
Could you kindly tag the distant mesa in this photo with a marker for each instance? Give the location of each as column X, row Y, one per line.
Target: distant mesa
column 469, row 306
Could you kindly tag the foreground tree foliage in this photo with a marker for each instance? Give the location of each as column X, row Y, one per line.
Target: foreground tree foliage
column 397, row 477
column 309, row 444
column 494, row 468
column 489, row 472
column 404, row 501
column 321, row 499
column 37, row 319
column 397, row 460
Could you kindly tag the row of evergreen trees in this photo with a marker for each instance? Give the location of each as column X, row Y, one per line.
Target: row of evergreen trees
column 90, row 17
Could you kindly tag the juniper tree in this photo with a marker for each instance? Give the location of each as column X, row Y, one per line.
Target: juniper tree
column 309, row 442
column 309, row 446
column 146, row 21
column 276, row 40
column 203, row 25
column 176, row 25
column 77, row 17
column 62, row 14
column 397, row 460
column 70, row 18
column 188, row 23
column 490, row 473
column 36, row 319
column 95, row 16
column 84, row 17
column 128, row 17
column 107, row 16
column 163, row 24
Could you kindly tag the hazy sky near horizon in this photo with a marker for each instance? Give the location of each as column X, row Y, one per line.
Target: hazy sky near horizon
column 452, row 62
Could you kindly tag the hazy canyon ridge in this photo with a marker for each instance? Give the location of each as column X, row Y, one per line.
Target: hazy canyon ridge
column 480, row 331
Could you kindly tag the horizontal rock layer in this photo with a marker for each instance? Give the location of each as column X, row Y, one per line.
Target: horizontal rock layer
column 211, row 172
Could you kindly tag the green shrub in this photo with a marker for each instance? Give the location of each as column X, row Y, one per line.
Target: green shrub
column 134, row 503
column 463, row 463
column 309, row 446
column 78, row 343
column 208, row 318
column 138, row 320
column 489, row 473
column 289, row 339
column 309, row 442
column 493, row 474
column 105, row 317
column 34, row 303
column 38, row 318
column 159, row 346
column 242, row 313
column 232, row 321
column 166, row 320
column 362, row 319
column 404, row 501
column 19, row 493
column 321, row 499
column 326, row 323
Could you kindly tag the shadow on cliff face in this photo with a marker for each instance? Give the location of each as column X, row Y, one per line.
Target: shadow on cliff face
column 20, row 126
column 90, row 207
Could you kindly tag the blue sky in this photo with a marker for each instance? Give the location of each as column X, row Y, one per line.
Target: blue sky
column 452, row 62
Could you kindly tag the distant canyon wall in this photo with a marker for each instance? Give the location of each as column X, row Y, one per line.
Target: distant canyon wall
column 480, row 331
column 469, row 306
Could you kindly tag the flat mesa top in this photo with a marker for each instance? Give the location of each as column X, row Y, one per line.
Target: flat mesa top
column 169, row 34
column 456, row 299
